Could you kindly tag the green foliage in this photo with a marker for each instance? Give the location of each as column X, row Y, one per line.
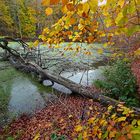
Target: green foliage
column 10, row 138
column 120, row 83
column 56, row 137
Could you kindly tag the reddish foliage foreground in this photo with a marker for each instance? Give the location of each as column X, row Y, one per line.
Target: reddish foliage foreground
column 59, row 118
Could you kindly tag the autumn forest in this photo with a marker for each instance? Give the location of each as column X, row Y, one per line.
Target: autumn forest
column 69, row 70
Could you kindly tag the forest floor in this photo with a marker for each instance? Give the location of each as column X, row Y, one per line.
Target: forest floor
column 58, row 118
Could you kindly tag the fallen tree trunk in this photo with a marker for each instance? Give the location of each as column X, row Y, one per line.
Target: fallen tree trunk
column 18, row 62
column 74, row 87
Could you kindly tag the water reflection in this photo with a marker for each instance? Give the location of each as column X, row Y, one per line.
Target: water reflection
column 85, row 78
column 25, row 97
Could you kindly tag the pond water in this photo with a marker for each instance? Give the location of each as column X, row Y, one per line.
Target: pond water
column 85, row 78
column 20, row 94
column 25, row 97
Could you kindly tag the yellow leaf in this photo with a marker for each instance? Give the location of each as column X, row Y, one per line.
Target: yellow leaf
column 64, row 9
column 102, row 35
column 85, row 7
column 126, row 111
column 36, row 137
column 35, row 44
column 46, row 30
column 57, row 46
column 138, row 122
column 113, row 116
column 121, row 3
column 137, row 52
column 105, row 45
column 78, row 128
column 48, row 11
column 99, row 135
column 100, row 51
column 110, row 107
column 102, row 122
column 42, row 37
column 80, row 7
column 108, row 22
column 121, row 119
column 80, row 27
column 93, row 5
column 85, row 135
column 91, row 120
column 118, row 18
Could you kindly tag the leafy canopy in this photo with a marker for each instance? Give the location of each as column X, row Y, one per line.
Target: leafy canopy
column 90, row 21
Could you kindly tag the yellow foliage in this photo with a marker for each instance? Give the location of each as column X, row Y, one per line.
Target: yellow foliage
column 118, row 18
column 80, row 7
column 57, row 46
column 121, row 3
column 100, row 51
column 45, row 31
column 91, row 120
column 36, row 137
column 121, row 119
column 48, row 11
column 85, row 7
column 64, row 9
column 78, row 128
column 108, row 22
column 137, row 52
column 35, row 44
column 93, row 5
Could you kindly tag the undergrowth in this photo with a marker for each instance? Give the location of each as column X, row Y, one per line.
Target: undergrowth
column 120, row 83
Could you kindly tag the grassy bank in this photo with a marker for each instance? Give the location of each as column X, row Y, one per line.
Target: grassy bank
column 6, row 76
